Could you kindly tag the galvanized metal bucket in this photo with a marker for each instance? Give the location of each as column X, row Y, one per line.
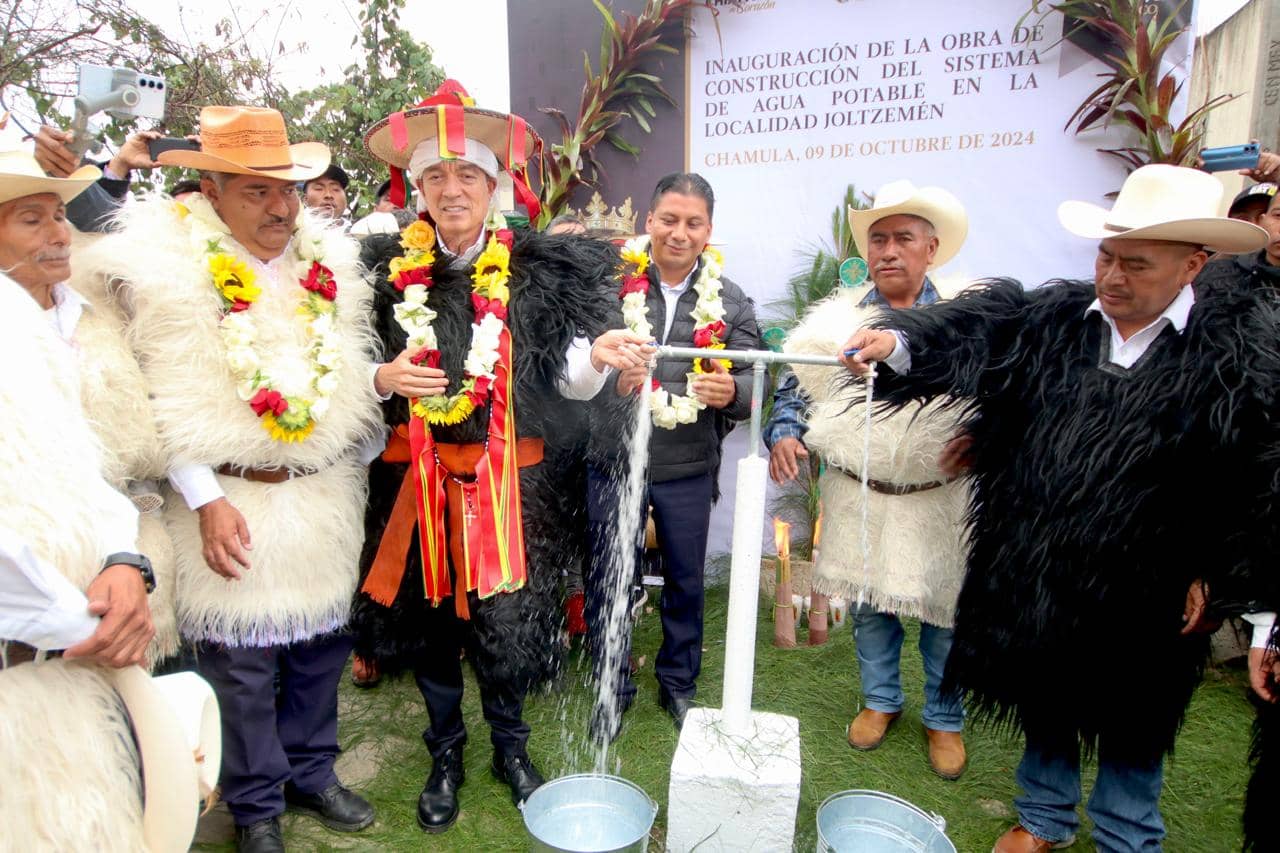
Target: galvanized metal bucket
column 589, row 813
column 875, row 822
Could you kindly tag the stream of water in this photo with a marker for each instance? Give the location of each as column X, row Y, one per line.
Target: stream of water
column 620, row 575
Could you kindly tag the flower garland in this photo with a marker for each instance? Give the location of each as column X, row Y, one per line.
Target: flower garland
column 288, row 405
column 411, row 274
column 708, row 324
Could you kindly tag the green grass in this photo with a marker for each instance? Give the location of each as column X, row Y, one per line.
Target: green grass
column 386, row 759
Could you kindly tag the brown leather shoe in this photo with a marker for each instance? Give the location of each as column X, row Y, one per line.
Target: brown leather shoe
column 1018, row 840
column 868, row 729
column 946, row 753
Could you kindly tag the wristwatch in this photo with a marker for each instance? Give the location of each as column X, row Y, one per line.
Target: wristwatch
column 138, row 561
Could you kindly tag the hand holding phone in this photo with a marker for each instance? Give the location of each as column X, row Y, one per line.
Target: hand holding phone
column 1230, row 157
column 158, row 146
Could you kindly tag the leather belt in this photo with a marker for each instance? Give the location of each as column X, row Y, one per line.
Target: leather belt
column 16, row 653
column 264, row 475
column 893, row 488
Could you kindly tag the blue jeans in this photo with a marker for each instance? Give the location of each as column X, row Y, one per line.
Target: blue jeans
column 1124, row 805
column 878, row 638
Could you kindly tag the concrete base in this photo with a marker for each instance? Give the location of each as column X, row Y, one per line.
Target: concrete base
column 733, row 792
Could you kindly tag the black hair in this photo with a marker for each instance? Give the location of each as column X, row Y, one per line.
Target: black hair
column 685, row 183
column 187, row 186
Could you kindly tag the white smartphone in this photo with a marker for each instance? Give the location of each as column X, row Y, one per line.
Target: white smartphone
column 124, row 92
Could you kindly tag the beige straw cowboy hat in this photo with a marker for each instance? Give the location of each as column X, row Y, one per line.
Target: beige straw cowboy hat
column 176, row 724
column 1170, row 203
column 250, row 141
column 934, row 204
column 21, row 175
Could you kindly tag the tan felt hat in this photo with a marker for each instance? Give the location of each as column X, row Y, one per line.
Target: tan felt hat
column 250, row 141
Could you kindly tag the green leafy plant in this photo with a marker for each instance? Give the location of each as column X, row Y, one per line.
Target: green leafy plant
column 1134, row 93
column 396, row 72
column 622, row 89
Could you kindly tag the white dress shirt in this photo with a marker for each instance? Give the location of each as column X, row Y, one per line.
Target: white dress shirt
column 68, row 308
column 671, row 294
column 38, row 606
column 1126, row 352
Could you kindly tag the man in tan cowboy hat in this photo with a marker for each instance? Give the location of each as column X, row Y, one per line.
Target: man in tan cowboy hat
column 490, row 329
column 1123, row 487
column 251, row 322
column 914, row 556
column 70, row 580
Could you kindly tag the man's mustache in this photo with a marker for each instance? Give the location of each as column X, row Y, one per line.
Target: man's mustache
column 53, row 255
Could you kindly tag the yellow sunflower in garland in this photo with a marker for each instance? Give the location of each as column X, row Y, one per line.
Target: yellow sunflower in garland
column 234, row 280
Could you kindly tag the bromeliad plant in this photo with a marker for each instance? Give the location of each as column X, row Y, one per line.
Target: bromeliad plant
column 1134, row 92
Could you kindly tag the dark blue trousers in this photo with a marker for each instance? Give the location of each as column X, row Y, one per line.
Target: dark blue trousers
column 439, row 676
column 271, row 739
column 682, row 514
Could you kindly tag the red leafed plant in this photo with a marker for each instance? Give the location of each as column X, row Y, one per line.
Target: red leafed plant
column 1134, row 92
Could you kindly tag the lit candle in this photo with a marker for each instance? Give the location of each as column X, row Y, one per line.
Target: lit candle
column 784, row 618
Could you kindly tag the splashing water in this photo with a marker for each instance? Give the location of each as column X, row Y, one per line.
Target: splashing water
column 866, row 489
column 620, row 573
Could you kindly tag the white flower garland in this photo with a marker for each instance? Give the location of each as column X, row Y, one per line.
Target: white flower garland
column 670, row 410
column 309, row 390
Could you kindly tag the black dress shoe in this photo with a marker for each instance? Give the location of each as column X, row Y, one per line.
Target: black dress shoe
column 438, row 802
column 337, row 807
column 260, row 837
column 676, row 706
column 516, row 770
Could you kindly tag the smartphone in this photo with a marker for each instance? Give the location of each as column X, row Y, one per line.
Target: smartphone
column 156, row 147
column 122, row 92
column 1231, row 157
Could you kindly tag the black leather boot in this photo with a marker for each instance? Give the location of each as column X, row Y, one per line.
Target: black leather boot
column 438, row 802
column 516, row 770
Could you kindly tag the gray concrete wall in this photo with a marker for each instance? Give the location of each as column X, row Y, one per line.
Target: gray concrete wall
column 1242, row 56
column 547, row 40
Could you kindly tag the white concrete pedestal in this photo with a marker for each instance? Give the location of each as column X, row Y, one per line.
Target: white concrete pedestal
column 731, row 791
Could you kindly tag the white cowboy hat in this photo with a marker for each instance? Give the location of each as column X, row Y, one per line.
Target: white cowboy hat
column 250, row 141
column 21, row 175
column 942, row 210
column 175, row 721
column 1170, row 203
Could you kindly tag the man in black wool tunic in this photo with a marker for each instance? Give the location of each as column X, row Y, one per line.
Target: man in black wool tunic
column 1124, row 475
column 487, row 331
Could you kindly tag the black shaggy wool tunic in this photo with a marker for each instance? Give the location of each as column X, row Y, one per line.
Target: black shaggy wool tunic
column 561, row 288
column 1099, row 495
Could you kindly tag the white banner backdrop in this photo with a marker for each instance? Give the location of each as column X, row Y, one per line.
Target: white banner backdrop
column 795, row 99
column 792, row 100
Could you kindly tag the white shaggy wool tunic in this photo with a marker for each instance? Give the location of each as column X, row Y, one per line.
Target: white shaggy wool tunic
column 306, row 532
column 915, row 541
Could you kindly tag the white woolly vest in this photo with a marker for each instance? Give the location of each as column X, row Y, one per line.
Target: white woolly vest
column 306, row 532
column 51, row 483
column 113, row 395
column 71, row 778
column 915, row 548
